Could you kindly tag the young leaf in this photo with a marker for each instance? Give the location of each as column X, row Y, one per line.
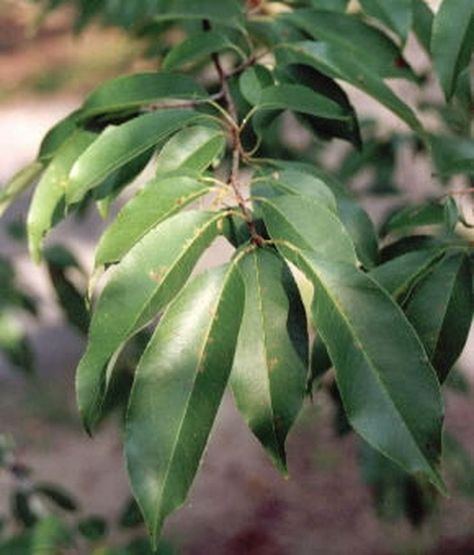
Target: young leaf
column 389, row 389
column 308, row 225
column 117, row 146
column 191, row 149
column 440, row 309
column 354, row 39
column 271, row 361
column 337, row 64
column 396, row 14
column 47, row 206
column 197, row 48
column 149, row 276
column 130, row 92
column 182, row 374
column 158, row 200
column 452, row 41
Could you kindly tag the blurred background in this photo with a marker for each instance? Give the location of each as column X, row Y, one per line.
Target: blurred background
column 239, row 503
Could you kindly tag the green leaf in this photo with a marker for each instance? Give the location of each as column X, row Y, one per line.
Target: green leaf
column 452, row 155
column 354, row 39
column 396, row 14
column 197, row 48
column 18, row 184
column 117, row 146
column 149, row 276
column 50, row 536
column 57, row 135
column 423, row 23
column 308, row 225
column 389, row 389
column 224, row 12
column 130, row 92
column 411, row 217
column 320, row 363
column 47, row 206
column 337, row 64
column 399, row 275
column 158, row 200
column 301, row 99
column 182, row 374
column 93, row 528
column 297, row 183
column 440, row 309
column 452, row 41
column 192, row 149
column 271, row 362
column 252, row 82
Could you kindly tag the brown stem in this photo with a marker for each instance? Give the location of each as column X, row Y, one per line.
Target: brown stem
column 234, row 177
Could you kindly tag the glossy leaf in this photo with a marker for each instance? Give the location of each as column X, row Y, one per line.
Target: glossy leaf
column 193, row 149
column 452, row 41
column 117, row 146
column 308, row 225
column 157, row 201
column 411, row 217
column 440, row 309
column 337, row 64
column 396, row 14
column 196, row 48
column 143, row 283
column 354, row 39
column 389, row 389
column 130, row 92
column 183, row 375
column 18, row 184
column 48, row 204
column 271, row 362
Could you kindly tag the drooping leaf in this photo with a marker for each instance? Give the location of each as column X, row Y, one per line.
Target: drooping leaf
column 182, row 374
column 48, row 204
column 57, row 135
column 18, row 184
column 308, row 225
column 440, row 309
column 197, row 48
column 452, row 41
column 158, row 200
column 117, row 146
column 149, row 276
column 389, row 389
column 192, row 149
column 130, row 92
column 354, row 39
column 271, row 361
column 396, row 14
column 320, row 363
column 337, row 64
